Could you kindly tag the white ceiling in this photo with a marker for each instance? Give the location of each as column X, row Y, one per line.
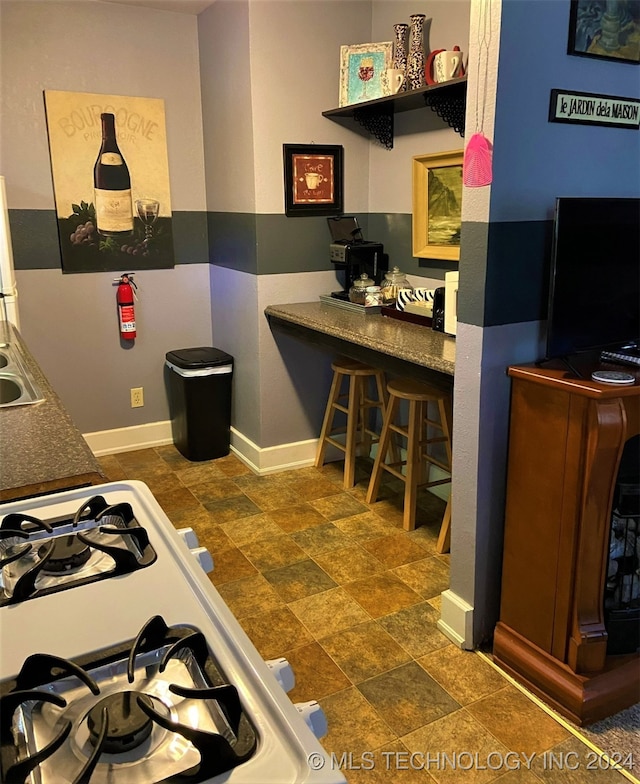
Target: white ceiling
column 180, row 6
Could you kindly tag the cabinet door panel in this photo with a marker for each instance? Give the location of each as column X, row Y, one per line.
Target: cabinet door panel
column 535, row 489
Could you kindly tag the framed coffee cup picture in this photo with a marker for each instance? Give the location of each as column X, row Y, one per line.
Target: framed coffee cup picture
column 312, row 179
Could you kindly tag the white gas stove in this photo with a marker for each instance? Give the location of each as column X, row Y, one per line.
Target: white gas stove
column 120, row 662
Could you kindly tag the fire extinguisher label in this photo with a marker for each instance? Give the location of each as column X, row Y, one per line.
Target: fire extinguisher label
column 127, row 318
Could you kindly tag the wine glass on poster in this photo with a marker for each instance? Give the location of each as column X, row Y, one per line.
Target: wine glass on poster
column 365, row 74
column 148, row 211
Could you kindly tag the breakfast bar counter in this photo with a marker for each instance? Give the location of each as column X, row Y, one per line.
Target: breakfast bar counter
column 397, row 347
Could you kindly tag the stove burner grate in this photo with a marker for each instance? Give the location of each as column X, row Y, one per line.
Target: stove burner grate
column 125, row 724
column 39, row 557
column 69, row 552
column 53, row 691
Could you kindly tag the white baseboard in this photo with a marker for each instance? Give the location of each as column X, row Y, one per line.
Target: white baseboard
column 262, row 461
column 273, row 458
column 269, row 460
column 126, row 439
column 456, row 620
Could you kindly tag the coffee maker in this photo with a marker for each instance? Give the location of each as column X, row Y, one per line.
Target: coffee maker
column 349, row 251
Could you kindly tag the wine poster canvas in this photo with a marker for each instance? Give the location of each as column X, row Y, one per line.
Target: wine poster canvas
column 111, row 181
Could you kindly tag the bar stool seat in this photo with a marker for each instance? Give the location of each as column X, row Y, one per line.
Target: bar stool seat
column 420, row 432
column 353, row 401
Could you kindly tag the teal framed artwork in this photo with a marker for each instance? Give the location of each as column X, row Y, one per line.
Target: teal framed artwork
column 361, row 69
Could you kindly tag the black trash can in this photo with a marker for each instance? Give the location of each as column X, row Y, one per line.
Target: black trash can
column 199, row 384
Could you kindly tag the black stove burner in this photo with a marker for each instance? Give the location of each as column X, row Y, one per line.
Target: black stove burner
column 125, row 719
column 66, row 544
column 127, row 725
column 69, row 552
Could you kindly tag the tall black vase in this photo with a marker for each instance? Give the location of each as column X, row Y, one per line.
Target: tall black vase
column 415, row 65
column 400, row 51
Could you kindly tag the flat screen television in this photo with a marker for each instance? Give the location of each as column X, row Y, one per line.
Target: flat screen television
column 594, row 289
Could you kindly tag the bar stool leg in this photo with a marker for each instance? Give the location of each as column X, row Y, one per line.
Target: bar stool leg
column 364, row 417
column 413, row 464
column 446, row 418
column 443, row 544
column 418, row 397
column 355, row 403
column 383, row 394
column 353, row 412
column 327, row 422
column 383, row 446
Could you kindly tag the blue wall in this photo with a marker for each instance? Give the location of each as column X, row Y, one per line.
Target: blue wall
column 535, row 160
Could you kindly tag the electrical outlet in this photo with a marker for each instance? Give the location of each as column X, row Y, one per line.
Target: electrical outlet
column 137, row 397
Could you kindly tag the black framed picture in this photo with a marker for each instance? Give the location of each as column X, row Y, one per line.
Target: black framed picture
column 609, row 31
column 312, row 179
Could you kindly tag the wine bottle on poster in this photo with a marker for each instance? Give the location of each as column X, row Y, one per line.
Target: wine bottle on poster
column 112, row 185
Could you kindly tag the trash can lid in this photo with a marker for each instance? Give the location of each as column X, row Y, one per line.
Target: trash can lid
column 201, row 357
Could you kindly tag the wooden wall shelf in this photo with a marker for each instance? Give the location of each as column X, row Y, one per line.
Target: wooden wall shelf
column 447, row 100
column 565, row 442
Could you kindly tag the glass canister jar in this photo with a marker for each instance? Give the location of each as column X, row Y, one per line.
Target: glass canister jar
column 392, row 283
column 358, row 290
column 373, row 296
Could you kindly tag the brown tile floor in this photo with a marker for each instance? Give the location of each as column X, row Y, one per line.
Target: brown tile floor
column 336, row 586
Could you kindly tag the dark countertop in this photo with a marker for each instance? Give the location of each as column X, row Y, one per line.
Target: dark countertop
column 391, row 344
column 41, row 450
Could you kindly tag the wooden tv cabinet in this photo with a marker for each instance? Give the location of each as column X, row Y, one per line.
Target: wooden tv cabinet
column 566, row 439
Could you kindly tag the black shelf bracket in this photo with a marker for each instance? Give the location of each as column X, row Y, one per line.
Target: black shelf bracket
column 446, row 99
column 449, row 107
column 378, row 122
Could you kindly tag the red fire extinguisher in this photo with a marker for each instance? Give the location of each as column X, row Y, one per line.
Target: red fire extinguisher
column 126, row 310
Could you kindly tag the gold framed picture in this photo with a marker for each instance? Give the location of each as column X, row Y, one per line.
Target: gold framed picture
column 437, row 205
column 361, row 70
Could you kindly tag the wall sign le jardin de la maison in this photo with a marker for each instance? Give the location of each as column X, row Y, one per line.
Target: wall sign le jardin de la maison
column 594, row 109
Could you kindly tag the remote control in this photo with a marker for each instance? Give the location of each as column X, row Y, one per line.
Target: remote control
column 624, row 359
column 612, row 377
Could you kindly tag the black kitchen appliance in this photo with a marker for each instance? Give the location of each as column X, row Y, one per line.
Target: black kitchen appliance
column 349, row 251
column 438, row 309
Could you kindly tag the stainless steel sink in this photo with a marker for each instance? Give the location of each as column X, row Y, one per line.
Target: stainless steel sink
column 17, row 385
column 10, row 391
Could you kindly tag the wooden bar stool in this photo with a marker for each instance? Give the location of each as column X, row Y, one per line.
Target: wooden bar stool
column 419, row 458
column 356, row 404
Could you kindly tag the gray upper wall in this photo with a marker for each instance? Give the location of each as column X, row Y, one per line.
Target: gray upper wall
column 56, row 46
column 52, row 45
column 70, row 321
